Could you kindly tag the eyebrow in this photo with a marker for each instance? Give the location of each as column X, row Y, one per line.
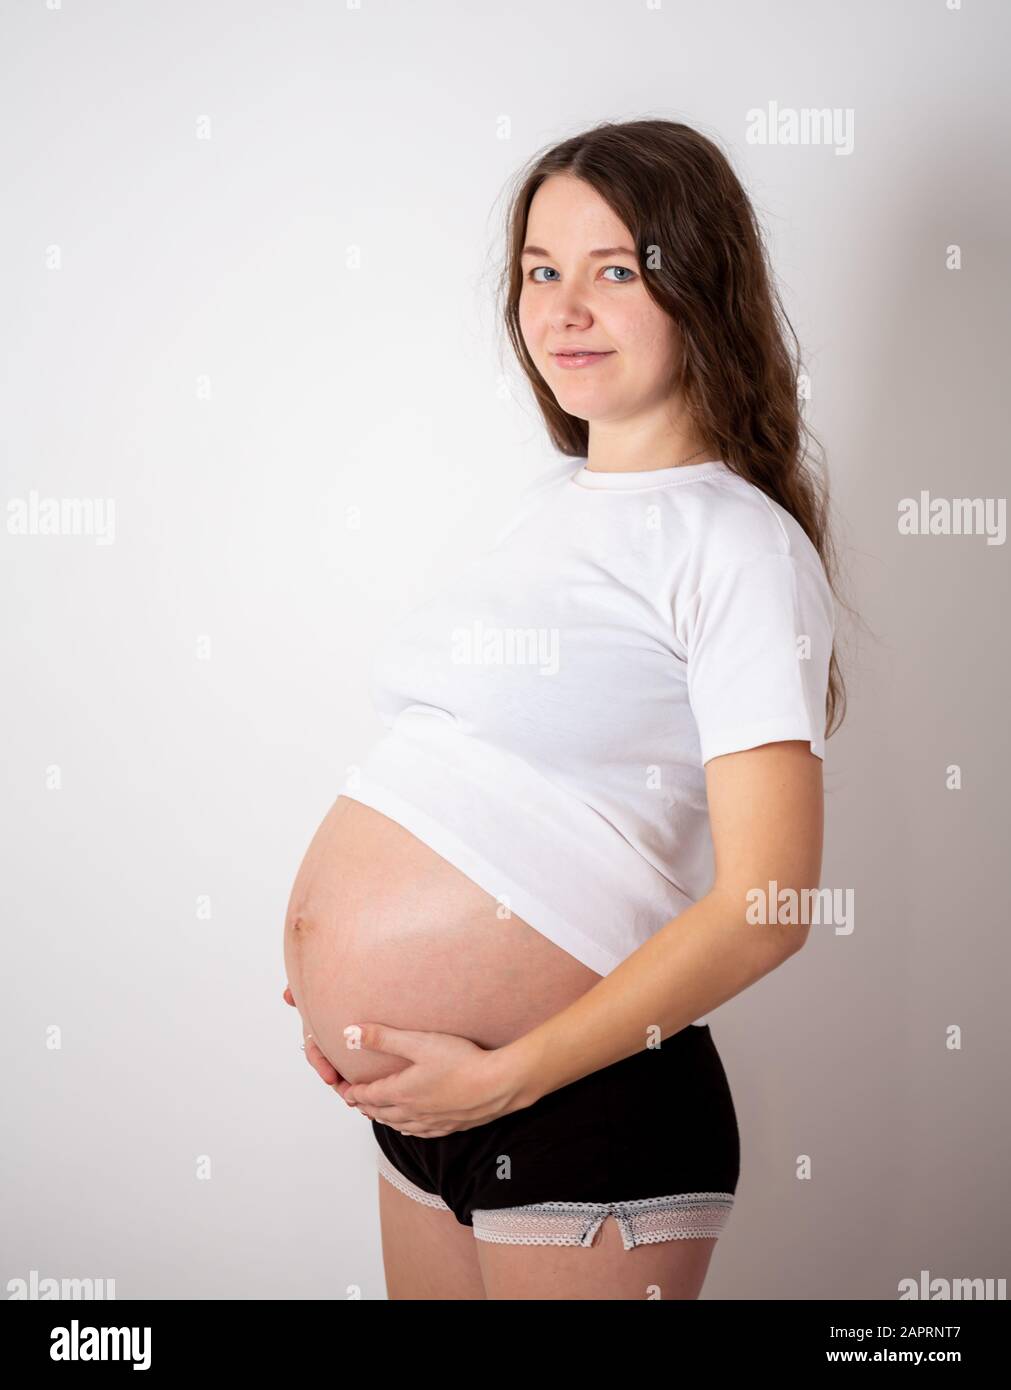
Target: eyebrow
column 603, row 251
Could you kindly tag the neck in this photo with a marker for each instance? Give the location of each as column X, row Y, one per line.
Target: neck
column 612, row 452
column 647, row 459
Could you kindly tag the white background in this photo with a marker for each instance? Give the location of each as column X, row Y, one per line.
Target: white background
column 388, row 388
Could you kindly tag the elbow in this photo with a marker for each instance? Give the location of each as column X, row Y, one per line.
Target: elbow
column 785, row 939
column 782, row 910
column 796, row 937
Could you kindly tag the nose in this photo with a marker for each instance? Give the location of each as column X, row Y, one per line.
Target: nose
column 570, row 311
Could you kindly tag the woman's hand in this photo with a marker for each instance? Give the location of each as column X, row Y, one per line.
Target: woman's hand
column 315, row 1057
column 451, row 1084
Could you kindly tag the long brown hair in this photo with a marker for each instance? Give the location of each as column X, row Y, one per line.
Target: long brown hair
column 677, row 194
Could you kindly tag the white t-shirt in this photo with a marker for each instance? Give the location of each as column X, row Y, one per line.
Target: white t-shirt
column 549, row 715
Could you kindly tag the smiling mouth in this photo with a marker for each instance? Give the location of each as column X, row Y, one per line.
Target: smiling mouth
column 580, row 359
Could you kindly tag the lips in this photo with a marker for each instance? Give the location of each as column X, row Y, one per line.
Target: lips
column 580, row 357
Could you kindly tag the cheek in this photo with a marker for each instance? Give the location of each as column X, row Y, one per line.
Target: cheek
column 530, row 319
column 654, row 344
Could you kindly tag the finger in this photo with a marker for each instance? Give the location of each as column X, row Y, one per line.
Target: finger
column 377, row 1095
column 395, row 1116
column 323, row 1066
column 320, row 1062
column 419, row 1131
column 379, row 1037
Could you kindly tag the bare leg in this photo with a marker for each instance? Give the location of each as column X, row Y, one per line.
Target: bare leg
column 668, row 1269
column 427, row 1253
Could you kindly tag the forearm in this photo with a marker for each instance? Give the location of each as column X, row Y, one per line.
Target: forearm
column 694, row 963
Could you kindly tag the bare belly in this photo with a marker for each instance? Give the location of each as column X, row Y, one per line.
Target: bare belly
column 381, row 929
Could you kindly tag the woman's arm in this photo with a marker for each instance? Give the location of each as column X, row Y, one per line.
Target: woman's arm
column 765, row 811
column 766, row 816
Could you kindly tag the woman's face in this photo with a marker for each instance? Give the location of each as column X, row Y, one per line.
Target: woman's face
column 575, row 297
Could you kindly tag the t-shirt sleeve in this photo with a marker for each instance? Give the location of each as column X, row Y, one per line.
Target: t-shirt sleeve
column 759, row 642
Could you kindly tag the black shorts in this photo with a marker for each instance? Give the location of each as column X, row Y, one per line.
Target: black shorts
column 651, row 1140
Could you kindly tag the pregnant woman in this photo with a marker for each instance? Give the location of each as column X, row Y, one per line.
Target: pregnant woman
column 601, row 763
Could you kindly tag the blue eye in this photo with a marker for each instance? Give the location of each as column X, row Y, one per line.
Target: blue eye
column 627, row 274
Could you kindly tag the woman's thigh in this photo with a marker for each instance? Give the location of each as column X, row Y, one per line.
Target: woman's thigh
column 427, row 1253
column 672, row 1269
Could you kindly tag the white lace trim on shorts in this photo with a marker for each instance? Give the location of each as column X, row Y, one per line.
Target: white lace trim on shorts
column 684, row 1216
column 408, row 1188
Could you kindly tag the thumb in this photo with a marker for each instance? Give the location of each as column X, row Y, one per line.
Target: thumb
column 378, row 1037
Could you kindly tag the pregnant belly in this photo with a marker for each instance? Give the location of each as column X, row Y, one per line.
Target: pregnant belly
column 381, row 929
